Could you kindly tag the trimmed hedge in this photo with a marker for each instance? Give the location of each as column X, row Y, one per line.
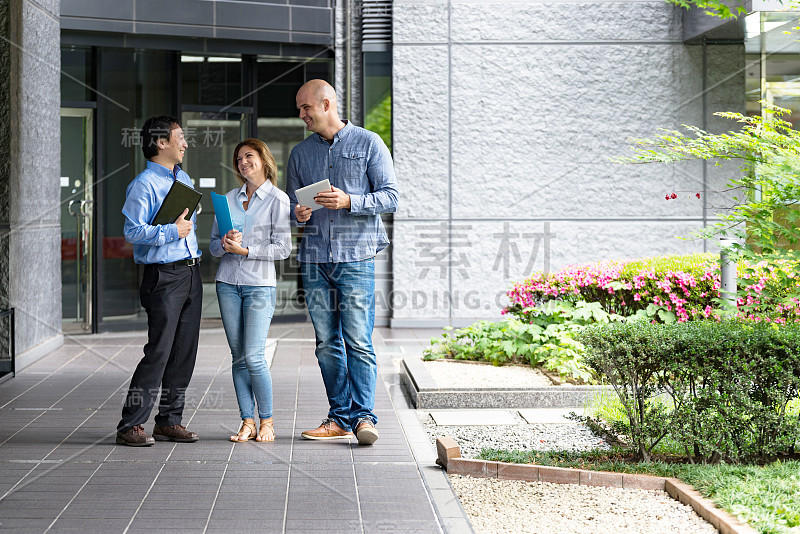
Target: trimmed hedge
column 718, row 388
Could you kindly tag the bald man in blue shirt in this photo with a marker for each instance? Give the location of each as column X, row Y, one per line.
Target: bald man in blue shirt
column 171, row 291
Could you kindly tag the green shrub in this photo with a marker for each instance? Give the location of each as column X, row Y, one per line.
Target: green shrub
column 547, row 339
column 720, row 389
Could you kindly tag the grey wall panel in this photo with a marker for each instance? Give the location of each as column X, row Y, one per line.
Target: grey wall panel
column 97, row 9
column 252, row 35
column 175, row 11
column 255, row 16
column 96, row 25
column 311, row 20
column 181, row 30
column 236, row 20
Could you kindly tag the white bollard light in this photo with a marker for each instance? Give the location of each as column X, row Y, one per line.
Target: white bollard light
column 728, row 275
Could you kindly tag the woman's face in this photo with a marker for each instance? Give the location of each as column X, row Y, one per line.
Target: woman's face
column 250, row 165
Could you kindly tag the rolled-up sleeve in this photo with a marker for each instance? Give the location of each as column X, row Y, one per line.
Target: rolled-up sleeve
column 383, row 182
column 279, row 244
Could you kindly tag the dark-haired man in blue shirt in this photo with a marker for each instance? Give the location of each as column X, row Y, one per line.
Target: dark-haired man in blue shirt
column 171, row 291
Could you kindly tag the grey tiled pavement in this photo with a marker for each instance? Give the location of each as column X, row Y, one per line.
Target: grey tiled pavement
column 61, row 471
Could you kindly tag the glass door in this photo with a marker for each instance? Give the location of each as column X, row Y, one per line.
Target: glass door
column 211, row 137
column 76, row 220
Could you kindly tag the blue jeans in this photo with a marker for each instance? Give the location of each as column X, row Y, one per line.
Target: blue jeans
column 246, row 315
column 341, row 302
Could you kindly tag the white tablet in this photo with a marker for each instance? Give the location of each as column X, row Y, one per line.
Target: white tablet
column 305, row 195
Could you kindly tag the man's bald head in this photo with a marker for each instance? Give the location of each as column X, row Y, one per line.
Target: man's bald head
column 316, row 100
column 319, row 90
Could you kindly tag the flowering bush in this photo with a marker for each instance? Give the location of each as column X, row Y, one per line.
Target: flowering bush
column 664, row 289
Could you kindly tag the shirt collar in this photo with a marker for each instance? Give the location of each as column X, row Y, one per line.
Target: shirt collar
column 340, row 134
column 261, row 192
column 162, row 171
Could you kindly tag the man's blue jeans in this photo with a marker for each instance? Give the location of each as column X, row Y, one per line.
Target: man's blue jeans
column 341, row 302
column 246, row 315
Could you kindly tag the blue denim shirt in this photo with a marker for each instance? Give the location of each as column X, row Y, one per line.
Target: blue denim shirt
column 359, row 164
column 160, row 243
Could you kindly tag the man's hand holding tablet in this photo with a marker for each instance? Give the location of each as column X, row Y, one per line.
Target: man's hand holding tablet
column 319, row 195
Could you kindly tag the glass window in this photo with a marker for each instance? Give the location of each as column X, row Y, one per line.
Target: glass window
column 378, row 94
column 136, row 85
column 211, row 80
column 77, row 74
column 773, row 63
column 278, row 83
column 211, row 137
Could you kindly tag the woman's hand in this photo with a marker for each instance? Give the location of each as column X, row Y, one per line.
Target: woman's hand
column 232, row 242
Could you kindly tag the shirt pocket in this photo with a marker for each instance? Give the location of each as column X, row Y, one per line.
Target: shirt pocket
column 354, row 171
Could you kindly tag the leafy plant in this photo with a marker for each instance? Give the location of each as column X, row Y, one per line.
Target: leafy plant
column 720, row 389
column 547, row 339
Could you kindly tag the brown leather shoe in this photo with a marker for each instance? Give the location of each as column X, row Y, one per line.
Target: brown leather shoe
column 327, row 430
column 135, row 436
column 174, row 433
column 365, row 432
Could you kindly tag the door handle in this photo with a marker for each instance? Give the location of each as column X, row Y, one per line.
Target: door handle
column 86, row 207
column 69, row 207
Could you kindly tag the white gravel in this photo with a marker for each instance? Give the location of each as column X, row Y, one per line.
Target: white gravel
column 513, row 506
column 523, row 437
column 484, row 375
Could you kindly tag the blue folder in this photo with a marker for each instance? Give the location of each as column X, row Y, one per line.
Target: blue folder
column 222, row 210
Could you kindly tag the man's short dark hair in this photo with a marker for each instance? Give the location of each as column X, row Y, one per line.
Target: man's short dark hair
column 156, row 128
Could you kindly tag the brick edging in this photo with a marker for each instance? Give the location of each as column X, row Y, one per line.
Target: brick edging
column 449, row 457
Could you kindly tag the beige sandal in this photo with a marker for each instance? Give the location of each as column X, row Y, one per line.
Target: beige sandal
column 246, row 432
column 265, row 431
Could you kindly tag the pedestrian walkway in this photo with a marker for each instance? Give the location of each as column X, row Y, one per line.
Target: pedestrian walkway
column 61, row 471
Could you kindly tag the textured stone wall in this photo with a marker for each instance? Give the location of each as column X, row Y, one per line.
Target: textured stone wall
column 5, row 170
column 30, row 248
column 505, row 113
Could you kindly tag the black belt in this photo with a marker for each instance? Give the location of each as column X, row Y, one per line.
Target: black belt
column 179, row 263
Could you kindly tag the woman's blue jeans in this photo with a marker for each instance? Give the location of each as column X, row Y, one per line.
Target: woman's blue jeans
column 246, row 315
column 341, row 302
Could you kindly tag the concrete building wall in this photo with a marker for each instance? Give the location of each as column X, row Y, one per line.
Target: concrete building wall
column 30, row 244
column 505, row 113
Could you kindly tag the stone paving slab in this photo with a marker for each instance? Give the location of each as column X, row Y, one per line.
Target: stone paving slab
column 425, row 393
column 546, row 415
column 61, row 471
column 473, row 417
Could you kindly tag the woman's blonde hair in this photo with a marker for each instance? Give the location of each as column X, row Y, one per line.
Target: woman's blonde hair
column 270, row 167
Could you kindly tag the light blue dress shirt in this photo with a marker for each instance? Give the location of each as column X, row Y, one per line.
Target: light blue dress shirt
column 159, row 243
column 266, row 235
column 359, row 164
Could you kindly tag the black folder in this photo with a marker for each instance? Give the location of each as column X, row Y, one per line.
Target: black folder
column 179, row 198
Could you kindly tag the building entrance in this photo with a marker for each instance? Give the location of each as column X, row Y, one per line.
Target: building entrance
column 77, row 208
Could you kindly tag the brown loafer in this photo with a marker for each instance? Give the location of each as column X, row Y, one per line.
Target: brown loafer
column 365, row 432
column 174, row 433
column 327, row 430
column 135, row 436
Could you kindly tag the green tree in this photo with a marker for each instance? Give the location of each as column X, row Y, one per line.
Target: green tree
column 763, row 215
column 379, row 120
